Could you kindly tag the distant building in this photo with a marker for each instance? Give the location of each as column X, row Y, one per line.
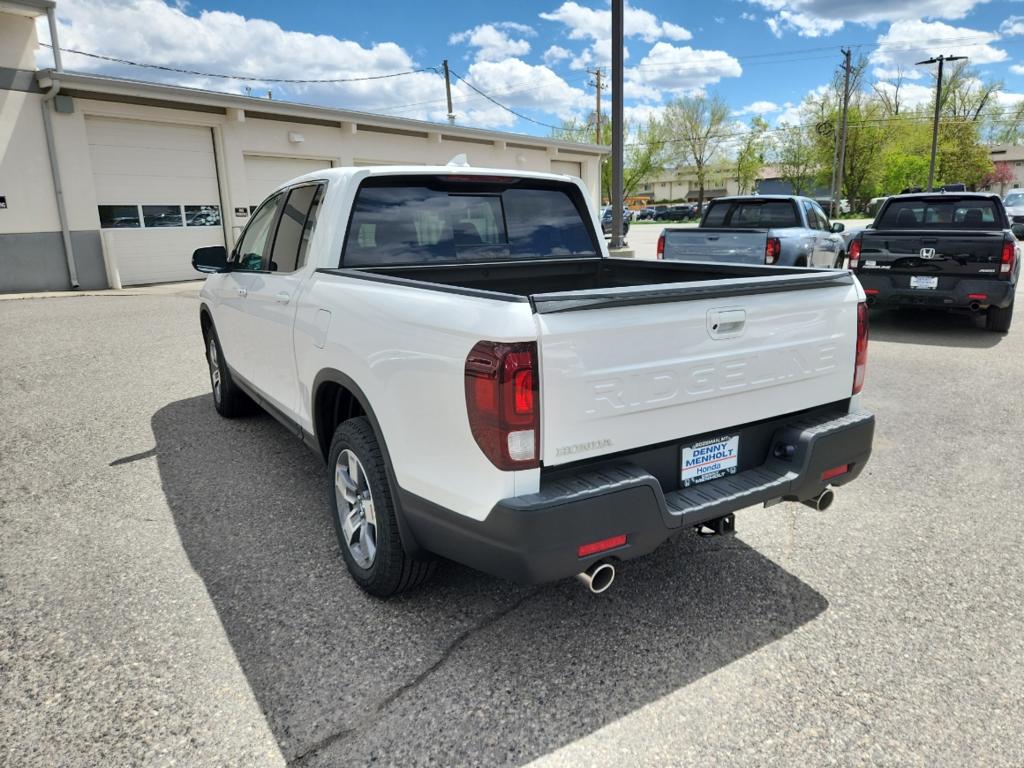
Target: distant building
column 1008, row 160
column 680, row 184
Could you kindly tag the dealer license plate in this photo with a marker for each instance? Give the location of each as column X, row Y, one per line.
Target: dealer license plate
column 928, row 283
column 710, row 459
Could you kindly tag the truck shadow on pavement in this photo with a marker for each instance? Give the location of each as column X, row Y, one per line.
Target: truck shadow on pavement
column 932, row 327
column 466, row 670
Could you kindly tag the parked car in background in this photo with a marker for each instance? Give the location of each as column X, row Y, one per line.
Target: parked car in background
column 954, row 251
column 681, row 212
column 606, row 220
column 760, row 229
column 873, row 205
column 650, row 212
column 1014, row 204
column 486, row 385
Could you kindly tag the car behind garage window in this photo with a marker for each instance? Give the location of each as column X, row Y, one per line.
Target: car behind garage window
column 119, row 216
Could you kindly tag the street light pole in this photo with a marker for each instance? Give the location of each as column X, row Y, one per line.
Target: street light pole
column 938, row 105
column 618, row 18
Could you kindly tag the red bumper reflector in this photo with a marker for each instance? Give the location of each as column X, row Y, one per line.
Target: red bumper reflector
column 828, row 474
column 601, row 546
column 979, row 296
column 870, row 291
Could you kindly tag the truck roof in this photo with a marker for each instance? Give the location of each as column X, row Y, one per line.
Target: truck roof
column 359, row 172
column 761, row 197
column 941, row 193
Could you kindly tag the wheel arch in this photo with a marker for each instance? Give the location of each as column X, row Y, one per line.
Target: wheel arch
column 337, row 398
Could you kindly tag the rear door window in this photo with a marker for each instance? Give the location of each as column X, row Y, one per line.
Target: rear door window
column 437, row 221
column 285, row 255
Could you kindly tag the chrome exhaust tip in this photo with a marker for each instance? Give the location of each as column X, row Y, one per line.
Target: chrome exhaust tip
column 598, row 577
column 822, row 501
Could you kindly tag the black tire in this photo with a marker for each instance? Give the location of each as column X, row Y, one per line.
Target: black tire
column 999, row 320
column 228, row 399
column 392, row 570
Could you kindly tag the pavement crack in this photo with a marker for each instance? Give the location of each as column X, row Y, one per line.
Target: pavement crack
column 460, row 640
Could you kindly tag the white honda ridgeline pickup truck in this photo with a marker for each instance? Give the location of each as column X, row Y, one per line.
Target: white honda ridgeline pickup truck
column 487, row 385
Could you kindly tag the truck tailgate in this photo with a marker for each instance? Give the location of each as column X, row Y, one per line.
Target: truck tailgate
column 633, row 367
column 928, row 252
column 732, row 246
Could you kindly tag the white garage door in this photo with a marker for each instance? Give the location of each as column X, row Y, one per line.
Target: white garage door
column 156, row 187
column 567, row 167
column 264, row 174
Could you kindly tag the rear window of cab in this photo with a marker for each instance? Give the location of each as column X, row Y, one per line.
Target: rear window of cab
column 941, row 213
column 439, row 220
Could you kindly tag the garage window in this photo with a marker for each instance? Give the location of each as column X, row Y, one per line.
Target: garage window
column 161, row 215
column 202, row 215
column 119, row 216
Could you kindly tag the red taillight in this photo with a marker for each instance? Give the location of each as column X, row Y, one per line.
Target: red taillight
column 828, row 474
column 661, row 246
column 870, row 291
column 854, row 254
column 501, row 400
column 601, row 546
column 860, row 365
column 772, row 250
column 1009, row 258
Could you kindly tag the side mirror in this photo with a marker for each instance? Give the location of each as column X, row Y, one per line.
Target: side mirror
column 213, row 258
column 1018, row 231
column 838, row 226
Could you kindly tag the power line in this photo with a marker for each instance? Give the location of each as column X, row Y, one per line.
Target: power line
column 249, row 78
column 509, row 109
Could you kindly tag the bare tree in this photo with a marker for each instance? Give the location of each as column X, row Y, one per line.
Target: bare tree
column 696, row 128
column 890, row 97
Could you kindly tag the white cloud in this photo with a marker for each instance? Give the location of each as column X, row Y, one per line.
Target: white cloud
column 1017, row 69
column 1006, row 99
column 758, row 108
column 595, row 25
column 908, row 42
column 815, row 18
column 556, row 53
column 1013, row 25
column 679, row 70
column 156, row 32
column 526, row 86
column 747, row 16
column 640, row 114
column 493, row 42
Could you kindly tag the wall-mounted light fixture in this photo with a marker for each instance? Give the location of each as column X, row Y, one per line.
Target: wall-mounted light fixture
column 295, row 137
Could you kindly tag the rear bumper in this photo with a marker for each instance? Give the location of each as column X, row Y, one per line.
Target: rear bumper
column 534, row 539
column 894, row 291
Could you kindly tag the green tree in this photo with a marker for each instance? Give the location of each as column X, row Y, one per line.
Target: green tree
column 695, row 129
column 750, row 155
column 796, row 157
column 642, row 147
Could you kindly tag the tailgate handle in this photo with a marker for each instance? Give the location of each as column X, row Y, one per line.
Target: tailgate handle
column 726, row 323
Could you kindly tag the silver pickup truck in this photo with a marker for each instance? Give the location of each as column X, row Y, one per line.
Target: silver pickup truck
column 781, row 230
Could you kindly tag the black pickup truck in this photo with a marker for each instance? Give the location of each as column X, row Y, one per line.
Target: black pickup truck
column 955, row 251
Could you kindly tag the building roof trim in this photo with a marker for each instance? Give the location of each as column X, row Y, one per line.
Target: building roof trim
column 139, row 90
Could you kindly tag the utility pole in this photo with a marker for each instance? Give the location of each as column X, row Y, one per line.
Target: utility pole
column 448, row 92
column 838, row 191
column 598, row 85
column 938, row 106
column 618, row 50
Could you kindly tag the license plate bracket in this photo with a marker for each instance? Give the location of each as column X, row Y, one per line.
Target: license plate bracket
column 709, row 459
column 926, row 283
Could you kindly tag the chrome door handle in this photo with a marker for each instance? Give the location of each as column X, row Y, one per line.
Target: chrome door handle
column 282, row 297
column 242, row 292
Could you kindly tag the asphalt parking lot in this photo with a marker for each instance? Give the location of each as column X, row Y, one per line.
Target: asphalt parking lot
column 171, row 591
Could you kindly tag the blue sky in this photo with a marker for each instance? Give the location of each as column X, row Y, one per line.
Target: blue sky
column 763, row 56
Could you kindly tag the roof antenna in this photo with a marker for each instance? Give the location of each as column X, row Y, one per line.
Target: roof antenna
column 459, row 161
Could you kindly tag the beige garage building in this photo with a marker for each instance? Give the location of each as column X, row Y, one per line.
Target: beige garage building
column 150, row 172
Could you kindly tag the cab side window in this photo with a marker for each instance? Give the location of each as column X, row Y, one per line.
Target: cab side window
column 289, row 252
column 255, row 241
column 821, row 217
column 812, row 218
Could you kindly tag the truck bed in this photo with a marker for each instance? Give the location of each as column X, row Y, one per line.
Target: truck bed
column 563, row 284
